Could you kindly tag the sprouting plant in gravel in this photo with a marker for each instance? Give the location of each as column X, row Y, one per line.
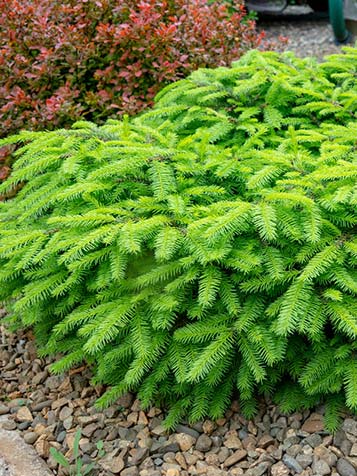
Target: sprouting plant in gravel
column 206, row 248
column 78, row 468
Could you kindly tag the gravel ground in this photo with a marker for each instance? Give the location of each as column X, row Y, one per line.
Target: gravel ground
column 305, row 37
column 47, row 410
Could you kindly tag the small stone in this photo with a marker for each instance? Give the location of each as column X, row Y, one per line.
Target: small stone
column 291, row 463
column 30, row 438
column 65, row 413
column 61, row 436
column 132, row 471
column 61, row 402
column 338, row 437
column 185, row 441
column 258, row 470
column 24, row 414
column 179, row 457
column 203, row 443
column 89, row 430
column 234, row 458
column 8, row 425
column 313, row 424
column 126, row 400
column 353, row 451
column 249, row 443
column 39, row 428
column 265, row 441
column 167, row 447
column 350, row 426
column 40, row 406
column 346, row 447
column 139, row 456
column 43, row 448
column 39, row 377
column 208, row 427
column 158, row 430
column 321, row 468
column 187, row 430
column 4, row 410
column 169, row 458
column 344, row 468
column 24, row 425
column 221, row 421
column 252, row 428
column 293, row 450
column 313, row 440
column 172, row 472
column 85, row 420
column 326, row 455
column 142, row 420
column 136, row 406
column 114, row 465
column 233, row 442
column 279, row 469
column 67, row 423
column 132, row 418
column 304, row 460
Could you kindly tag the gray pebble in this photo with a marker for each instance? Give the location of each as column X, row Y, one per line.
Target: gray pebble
column 242, row 434
column 321, row 468
column 61, row 436
column 168, row 447
column 24, row 425
column 291, row 463
column 313, row 440
column 350, row 426
column 290, row 441
column 345, row 447
column 293, row 450
column 4, row 409
column 217, row 441
column 158, row 461
column 40, row 406
column 67, row 423
column 258, row 470
column 187, row 430
column 132, row 471
column 39, row 378
column 203, row 443
column 345, row 468
column 304, row 460
column 338, row 438
column 65, row 413
column 30, row 437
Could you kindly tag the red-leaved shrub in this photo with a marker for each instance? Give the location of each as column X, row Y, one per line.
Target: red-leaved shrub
column 60, row 60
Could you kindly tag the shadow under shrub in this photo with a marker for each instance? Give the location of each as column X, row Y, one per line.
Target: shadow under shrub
column 205, row 248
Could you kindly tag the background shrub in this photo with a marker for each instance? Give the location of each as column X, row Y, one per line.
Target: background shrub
column 60, row 61
column 63, row 60
column 205, row 248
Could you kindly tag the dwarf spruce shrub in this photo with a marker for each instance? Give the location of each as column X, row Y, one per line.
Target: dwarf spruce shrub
column 204, row 249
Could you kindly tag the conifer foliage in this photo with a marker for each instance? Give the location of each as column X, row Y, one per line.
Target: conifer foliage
column 205, row 248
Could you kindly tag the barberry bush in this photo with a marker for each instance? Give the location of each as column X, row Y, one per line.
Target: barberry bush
column 60, row 61
column 204, row 249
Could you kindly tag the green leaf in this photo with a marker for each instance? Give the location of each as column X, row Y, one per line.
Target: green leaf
column 59, row 458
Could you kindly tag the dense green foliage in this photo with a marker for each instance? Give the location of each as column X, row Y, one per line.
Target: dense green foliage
column 204, row 248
